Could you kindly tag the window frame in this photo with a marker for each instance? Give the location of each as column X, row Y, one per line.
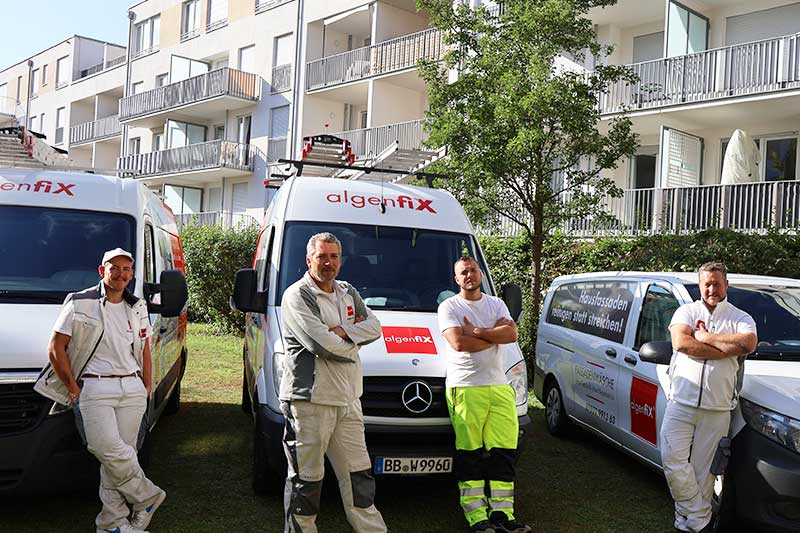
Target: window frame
column 665, row 287
column 761, row 141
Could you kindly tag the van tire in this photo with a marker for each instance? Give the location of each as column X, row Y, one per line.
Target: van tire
column 247, row 404
column 555, row 416
column 265, row 480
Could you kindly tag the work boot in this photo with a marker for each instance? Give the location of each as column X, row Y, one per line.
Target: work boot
column 141, row 519
column 503, row 524
column 482, row 527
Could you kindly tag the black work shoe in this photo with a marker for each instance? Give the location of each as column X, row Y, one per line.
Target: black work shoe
column 482, row 527
column 503, row 524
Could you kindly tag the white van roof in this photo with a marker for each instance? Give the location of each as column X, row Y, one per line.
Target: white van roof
column 358, row 202
column 679, row 277
column 69, row 190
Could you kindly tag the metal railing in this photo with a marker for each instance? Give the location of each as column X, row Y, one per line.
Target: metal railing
column 380, row 58
column 742, row 69
column 190, row 34
column 8, row 106
column 225, row 219
column 221, row 82
column 265, row 5
column 194, row 157
column 95, row 130
column 94, row 69
column 216, row 24
column 281, row 78
column 144, row 51
column 372, row 141
column 751, row 207
column 276, row 148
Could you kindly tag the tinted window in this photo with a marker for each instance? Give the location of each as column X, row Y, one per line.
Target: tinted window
column 657, row 309
column 599, row 308
column 391, row 267
column 776, row 311
column 46, row 253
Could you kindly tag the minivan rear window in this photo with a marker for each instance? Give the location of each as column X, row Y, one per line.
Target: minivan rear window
column 776, row 311
column 599, row 308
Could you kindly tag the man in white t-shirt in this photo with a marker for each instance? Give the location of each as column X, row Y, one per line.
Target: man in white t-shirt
column 710, row 338
column 481, row 401
column 100, row 363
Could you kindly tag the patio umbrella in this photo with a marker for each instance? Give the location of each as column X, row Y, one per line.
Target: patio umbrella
column 740, row 164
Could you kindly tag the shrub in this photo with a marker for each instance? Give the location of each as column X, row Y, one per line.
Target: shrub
column 213, row 255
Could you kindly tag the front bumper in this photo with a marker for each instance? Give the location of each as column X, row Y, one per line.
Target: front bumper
column 767, row 482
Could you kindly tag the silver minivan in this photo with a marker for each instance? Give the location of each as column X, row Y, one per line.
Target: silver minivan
column 592, row 372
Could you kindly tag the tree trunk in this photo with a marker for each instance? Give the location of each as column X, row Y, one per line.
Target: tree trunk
column 537, row 244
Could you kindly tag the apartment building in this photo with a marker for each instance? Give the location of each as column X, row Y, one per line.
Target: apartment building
column 706, row 68
column 69, row 93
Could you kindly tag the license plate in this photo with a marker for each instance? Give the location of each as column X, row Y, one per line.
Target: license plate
column 413, row 465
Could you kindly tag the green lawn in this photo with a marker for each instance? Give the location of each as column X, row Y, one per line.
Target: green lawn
column 202, row 458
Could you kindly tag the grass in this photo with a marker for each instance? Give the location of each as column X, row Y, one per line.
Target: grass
column 201, row 457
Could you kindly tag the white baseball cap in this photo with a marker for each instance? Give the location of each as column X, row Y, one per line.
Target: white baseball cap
column 116, row 252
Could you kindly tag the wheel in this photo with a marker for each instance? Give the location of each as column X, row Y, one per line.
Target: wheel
column 555, row 415
column 247, row 404
column 723, row 503
column 265, row 480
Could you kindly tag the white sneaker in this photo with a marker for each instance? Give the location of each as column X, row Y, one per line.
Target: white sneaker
column 141, row 519
column 122, row 528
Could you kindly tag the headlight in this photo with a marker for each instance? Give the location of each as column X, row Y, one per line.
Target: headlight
column 518, row 377
column 277, row 371
column 782, row 429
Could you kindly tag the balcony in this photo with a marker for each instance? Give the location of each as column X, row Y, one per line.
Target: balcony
column 213, row 159
column 369, row 142
column 97, row 130
column 733, row 71
column 98, row 68
column 276, row 148
column 197, row 97
column 281, row 78
column 382, row 58
column 226, row 219
column 266, row 5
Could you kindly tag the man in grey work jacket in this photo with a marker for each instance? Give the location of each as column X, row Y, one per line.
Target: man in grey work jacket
column 100, row 364
column 324, row 321
column 709, row 339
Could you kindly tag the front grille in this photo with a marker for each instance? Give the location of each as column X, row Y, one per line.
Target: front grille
column 383, row 397
column 21, row 408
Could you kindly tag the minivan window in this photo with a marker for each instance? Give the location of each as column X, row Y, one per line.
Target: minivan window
column 46, row 253
column 657, row 309
column 776, row 311
column 599, row 308
column 392, row 268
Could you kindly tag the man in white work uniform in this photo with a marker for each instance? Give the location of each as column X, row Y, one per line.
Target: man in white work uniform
column 710, row 338
column 100, row 363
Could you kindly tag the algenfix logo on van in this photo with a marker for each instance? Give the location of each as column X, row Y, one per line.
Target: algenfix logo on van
column 359, row 201
column 408, row 340
column 44, row 187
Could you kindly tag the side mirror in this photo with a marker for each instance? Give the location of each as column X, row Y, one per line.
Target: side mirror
column 173, row 294
column 656, row 352
column 512, row 296
column 246, row 297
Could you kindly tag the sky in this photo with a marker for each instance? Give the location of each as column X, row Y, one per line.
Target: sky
column 30, row 26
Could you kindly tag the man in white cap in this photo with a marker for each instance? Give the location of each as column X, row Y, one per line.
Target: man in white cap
column 100, row 364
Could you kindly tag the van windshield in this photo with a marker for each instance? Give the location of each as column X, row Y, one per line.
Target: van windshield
column 46, row 253
column 392, row 268
column 776, row 311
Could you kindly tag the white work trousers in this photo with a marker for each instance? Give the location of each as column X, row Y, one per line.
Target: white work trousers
column 312, row 432
column 111, row 411
column 689, row 438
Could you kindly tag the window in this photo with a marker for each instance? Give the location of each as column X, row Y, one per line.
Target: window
column 149, row 260
column 41, row 123
column 137, row 87
column 780, row 159
column 243, row 129
column 147, row 36
column 61, row 72
column 279, row 122
column 284, row 50
column 162, row 79
column 219, row 132
column 19, row 88
column 183, row 134
column 44, row 74
column 657, row 309
column 158, row 141
column 60, row 112
column 190, row 23
column 214, row 199
column 247, row 58
column 32, row 124
column 364, row 119
column 217, row 14
column 598, row 308
column 135, row 146
column 183, row 200
column 35, row 82
column 687, row 31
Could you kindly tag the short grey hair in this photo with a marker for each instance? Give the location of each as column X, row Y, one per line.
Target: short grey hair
column 713, row 266
column 322, row 237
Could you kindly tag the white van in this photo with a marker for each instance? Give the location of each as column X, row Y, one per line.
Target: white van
column 602, row 357
column 54, row 229
column 399, row 246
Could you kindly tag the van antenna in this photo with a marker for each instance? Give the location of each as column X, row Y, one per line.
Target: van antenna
column 383, row 201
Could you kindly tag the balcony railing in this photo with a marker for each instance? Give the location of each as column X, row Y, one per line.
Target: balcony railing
column 381, row 58
column 372, row 141
column 265, row 5
column 276, row 148
column 742, row 69
column 100, row 67
column 9, row 106
column 195, row 157
column 220, row 82
column 95, row 130
column 216, row 218
column 281, row 78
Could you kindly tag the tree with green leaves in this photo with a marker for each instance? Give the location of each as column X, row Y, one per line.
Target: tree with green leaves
column 513, row 120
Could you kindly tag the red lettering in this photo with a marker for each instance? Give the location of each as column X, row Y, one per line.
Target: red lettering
column 425, row 205
column 6, row 186
column 64, row 188
column 334, row 198
column 374, row 200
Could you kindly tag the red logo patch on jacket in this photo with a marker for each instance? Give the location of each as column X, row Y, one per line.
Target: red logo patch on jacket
column 350, row 311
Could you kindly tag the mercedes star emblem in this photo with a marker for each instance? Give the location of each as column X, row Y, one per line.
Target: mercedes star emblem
column 417, row 397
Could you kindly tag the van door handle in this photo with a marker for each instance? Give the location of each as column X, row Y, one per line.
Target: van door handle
column 611, row 352
column 631, row 360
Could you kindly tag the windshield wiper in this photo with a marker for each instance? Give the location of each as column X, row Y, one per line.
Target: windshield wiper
column 38, row 296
